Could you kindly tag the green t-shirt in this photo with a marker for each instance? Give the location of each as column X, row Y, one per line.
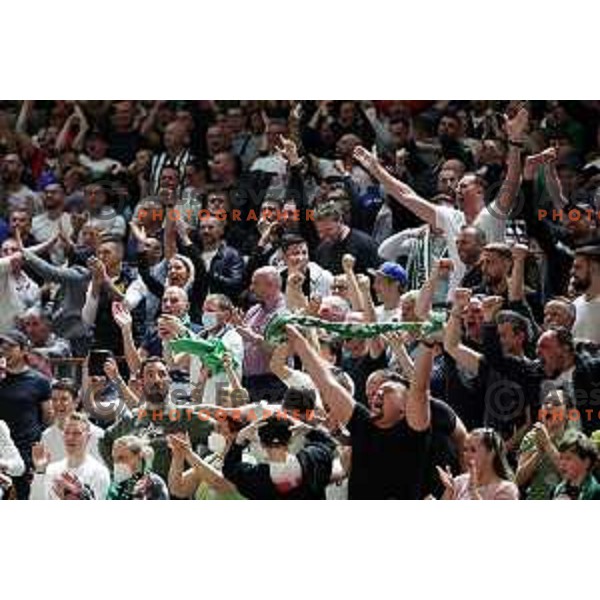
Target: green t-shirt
column 545, row 478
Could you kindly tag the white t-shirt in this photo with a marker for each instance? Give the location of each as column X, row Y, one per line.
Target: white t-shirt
column 235, row 345
column 43, row 228
column 10, row 459
column 587, row 320
column 385, row 315
column 12, row 305
column 90, row 473
column 53, row 439
column 450, row 220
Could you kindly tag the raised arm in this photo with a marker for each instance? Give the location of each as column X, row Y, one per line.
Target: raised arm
column 338, row 400
column 440, row 272
column 418, row 409
column 84, row 127
column 396, row 341
column 401, row 192
column 354, row 288
column 462, row 354
column 24, row 116
column 516, row 288
column 551, row 180
column 515, row 129
column 111, row 370
column 294, row 296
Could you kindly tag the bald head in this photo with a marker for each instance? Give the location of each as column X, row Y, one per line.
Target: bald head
column 266, row 284
column 175, row 134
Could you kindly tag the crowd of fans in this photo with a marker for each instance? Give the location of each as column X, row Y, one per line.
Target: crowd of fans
column 146, row 247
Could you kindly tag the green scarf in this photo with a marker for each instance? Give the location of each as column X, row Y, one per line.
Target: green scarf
column 209, row 351
column 275, row 330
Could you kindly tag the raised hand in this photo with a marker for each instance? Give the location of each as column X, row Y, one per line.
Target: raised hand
column 462, row 297
column 519, row 252
column 111, row 370
column 295, row 280
column 139, row 232
column 442, row 268
column 40, row 455
column 314, row 305
column 288, row 150
column 447, row 480
column 364, row 283
column 397, row 340
column 78, row 220
column 249, row 433
column 227, row 361
column 542, row 437
column 179, row 443
column 68, row 487
column 97, row 268
column 366, row 159
column 121, row 315
column 516, row 125
column 295, row 338
column 490, row 306
column 348, row 263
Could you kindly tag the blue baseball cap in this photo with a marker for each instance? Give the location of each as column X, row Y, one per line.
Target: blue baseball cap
column 393, row 271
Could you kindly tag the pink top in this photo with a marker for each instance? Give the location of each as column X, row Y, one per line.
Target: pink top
column 503, row 490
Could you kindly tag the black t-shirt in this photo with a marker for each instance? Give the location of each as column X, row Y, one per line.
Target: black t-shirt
column 443, row 451
column 386, row 463
column 465, row 393
column 359, row 370
column 122, row 146
column 21, row 396
column 359, row 244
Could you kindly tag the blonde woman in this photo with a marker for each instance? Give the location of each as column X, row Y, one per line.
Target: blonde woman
column 132, row 478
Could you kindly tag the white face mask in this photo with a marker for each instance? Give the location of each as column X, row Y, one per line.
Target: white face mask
column 121, row 472
column 210, row 320
column 216, row 443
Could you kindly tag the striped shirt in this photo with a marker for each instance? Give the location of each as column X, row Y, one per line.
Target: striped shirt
column 256, row 360
column 160, row 161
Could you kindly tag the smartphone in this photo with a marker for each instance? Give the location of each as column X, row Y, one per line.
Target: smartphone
column 96, row 362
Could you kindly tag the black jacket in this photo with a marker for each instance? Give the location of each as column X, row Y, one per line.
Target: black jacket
column 254, row 481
